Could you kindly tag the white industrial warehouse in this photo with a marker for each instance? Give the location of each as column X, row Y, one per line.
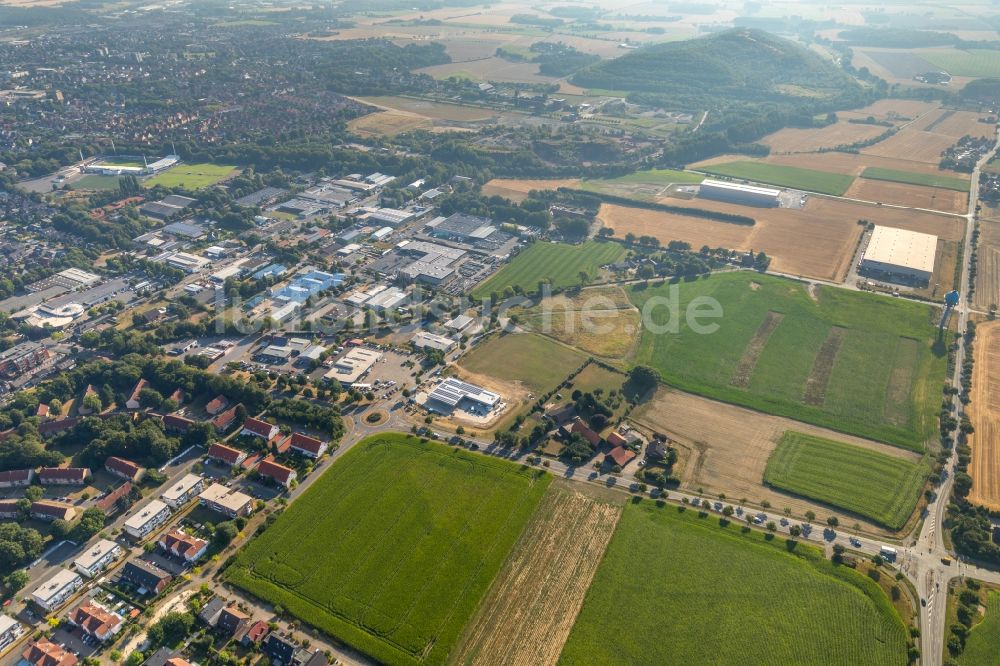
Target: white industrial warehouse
column 899, row 254
column 750, row 195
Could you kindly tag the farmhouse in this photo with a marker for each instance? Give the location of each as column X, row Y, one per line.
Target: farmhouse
column 452, row 393
column 125, row 469
column 226, row 454
column 147, row 519
column 278, row 473
column 95, row 620
column 183, row 491
column 900, row 255
column 226, row 501
column 97, row 558
column 58, row 588
column 308, row 446
column 738, row 193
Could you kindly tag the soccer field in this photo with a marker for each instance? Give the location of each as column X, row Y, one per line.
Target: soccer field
column 558, row 262
column 693, row 592
column 850, row 361
column 191, row 176
column 392, row 548
column 868, row 483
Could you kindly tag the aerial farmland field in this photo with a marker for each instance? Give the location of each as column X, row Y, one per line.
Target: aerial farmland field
column 693, row 592
column 871, row 484
column 909, row 177
column 782, row 176
column 534, row 360
column 191, row 176
column 849, row 361
column 391, row 550
column 558, row 262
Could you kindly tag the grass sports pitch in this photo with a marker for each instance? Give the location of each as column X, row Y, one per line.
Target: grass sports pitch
column 559, row 262
column 850, row 361
column 391, row 550
column 699, row 593
column 191, row 176
column 865, row 482
column 784, row 176
column 911, row 178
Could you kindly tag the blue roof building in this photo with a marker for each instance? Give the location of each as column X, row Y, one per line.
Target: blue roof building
column 304, row 286
column 271, row 270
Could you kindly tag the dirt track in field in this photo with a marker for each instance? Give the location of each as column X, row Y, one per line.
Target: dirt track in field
column 984, row 410
column 725, row 449
column 533, row 603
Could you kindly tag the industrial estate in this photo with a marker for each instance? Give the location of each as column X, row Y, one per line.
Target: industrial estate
column 454, row 333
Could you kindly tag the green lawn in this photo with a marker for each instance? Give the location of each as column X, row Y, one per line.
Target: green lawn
column 115, row 161
column 983, row 643
column 191, row 176
column 868, row 483
column 911, row 178
column 392, row 548
column 784, row 176
column 558, row 262
column 883, row 381
column 674, row 588
column 974, row 63
column 95, row 181
column 536, row 361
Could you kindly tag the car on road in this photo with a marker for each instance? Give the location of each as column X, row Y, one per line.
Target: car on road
column 760, row 518
column 718, row 506
column 856, row 542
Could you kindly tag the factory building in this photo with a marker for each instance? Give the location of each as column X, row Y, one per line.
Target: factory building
column 899, row 255
column 747, row 195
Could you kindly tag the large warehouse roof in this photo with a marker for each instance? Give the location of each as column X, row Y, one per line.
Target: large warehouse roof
column 900, row 247
column 740, row 187
column 451, row 392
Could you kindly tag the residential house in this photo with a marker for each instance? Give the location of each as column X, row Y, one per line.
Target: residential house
column 255, row 633
column 209, row 613
column 614, row 439
column 226, row 454
column 225, row 420
column 216, row 405
column 278, row 473
column 183, row 491
column 279, row 649
column 123, row 468
column 133, row 401
column 97, row 558
column 49, row 510
column 180, row 544
column 161, row 657
column 147, row 518
column 258, row 428
column 56, row 589
column 9, row 509
column 563, row 415
column 145, row 577
column 581, row 428
column 44, row 652
column 229, row 502
column 176, row 423
column 620, row 456
column 63, row 476
column 17, row 478
column 115, row 499
column 308, row 446
column 657, row 450
column 232, row 620
column 95, row 620
column 43, row 411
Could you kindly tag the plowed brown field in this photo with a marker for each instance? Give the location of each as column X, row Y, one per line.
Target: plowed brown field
column 984, row 411
column 533, row 603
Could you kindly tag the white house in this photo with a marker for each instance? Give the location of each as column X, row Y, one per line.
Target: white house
column 147, row 519
column 97, row 558
column 51, row 594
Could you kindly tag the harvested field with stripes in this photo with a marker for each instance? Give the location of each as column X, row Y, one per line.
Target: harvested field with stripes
column 984, row 410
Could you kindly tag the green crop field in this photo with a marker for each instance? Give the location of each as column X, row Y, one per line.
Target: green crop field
column 974, row 63
column 851, row 361
column 558, row 262
column 983, row 643
column 674, row 588
column 868, row 483
column 536, row 361
column 911, row 178
column 191, row 176
column 392, row 548
column 784, row 176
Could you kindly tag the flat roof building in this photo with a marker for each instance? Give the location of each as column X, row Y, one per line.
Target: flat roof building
column 899, row 254
column 97, row 558
column 57, row 589
column 147, row 519
column 183, row 491
column 426, row 340
column 749, row 195
column 353, row 365
column 226, row 501
column 453, row 392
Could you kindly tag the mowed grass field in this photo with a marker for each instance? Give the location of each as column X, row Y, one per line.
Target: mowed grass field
column 391, row 550
column 911, row 178
column 868, row 483
column 674, row 588
column 558, row 262
column 784, row 176
column 849, row 361
column 975, row 63
column 536, row 361
column 191, row 176
column 983, row 643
